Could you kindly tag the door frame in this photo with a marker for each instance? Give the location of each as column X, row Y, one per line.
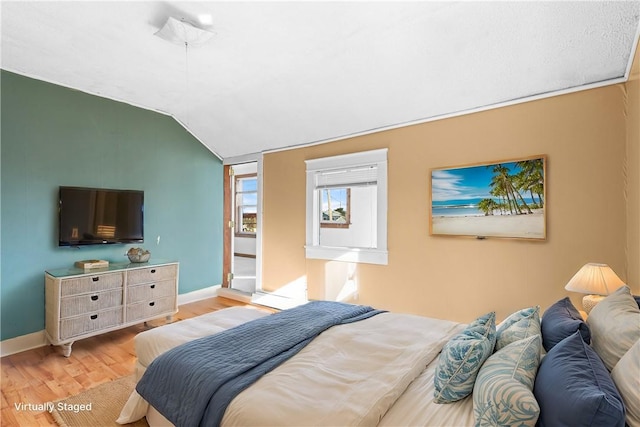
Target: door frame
column 228, row 217
column 228, row 228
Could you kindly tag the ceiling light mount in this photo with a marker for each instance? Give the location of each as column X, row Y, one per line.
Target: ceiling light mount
column 184, row 33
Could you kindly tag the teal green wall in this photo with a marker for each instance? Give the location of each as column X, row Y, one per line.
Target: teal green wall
column 53, row 136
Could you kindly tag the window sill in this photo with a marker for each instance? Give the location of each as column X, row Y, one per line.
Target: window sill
column 358, row 255
column 334, row 225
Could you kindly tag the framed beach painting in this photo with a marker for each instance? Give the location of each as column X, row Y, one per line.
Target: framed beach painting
column 499, row 199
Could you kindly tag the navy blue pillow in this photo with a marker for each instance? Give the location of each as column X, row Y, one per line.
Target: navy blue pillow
column 637, row 298
column 574, row 388
column 561, row 320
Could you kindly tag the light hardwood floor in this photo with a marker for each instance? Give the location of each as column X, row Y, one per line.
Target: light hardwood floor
column 43, row 375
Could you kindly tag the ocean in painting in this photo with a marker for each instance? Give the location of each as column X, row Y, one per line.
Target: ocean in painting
column 463, row 207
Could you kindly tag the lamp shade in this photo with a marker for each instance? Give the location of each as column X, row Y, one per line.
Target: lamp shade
column 596, row 279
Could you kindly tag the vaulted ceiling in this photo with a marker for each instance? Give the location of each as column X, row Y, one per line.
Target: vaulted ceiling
column 282, row 74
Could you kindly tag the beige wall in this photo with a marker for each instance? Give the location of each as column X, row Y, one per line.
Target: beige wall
column 584, row 136
column 633, row 167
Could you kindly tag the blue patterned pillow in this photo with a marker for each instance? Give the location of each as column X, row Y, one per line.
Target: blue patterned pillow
column 502, row 395
column 520, row 325
column 561, row 320
column 462, row 357
column 573, row 388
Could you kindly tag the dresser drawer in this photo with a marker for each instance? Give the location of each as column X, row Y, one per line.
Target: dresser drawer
column 150, row 309
column 86, row 303
column 151, row 274
column 150, row 291
column 89, row 284
column 90, row 322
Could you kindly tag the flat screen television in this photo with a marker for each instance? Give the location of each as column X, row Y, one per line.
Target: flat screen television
column 97, row 216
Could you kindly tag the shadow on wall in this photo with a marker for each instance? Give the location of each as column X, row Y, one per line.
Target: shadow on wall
column 340, row 281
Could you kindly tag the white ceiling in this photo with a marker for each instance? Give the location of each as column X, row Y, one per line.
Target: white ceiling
column 281, row 74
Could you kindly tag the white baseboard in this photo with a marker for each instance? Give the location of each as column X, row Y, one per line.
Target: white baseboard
column 23, row 343
column 39, row 339
column 234, row 295
column 200, row 294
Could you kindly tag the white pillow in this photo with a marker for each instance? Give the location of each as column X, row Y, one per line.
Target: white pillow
column 615, row 326
column 626, row 376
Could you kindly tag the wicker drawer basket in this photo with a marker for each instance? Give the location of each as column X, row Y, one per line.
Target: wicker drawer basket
column 82, row 304
column 150, row 291
column 151, row 274
column 80, row 325
column 150, row 309
column 88, row 284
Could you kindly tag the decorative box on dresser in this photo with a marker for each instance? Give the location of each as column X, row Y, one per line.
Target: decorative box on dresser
column 83, row 303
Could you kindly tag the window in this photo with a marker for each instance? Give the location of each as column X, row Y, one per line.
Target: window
column 335, row 207
column 246, row 204
column 347, row 207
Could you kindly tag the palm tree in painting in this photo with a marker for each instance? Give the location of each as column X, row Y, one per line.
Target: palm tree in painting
column 505, row 182
column 531, row 178
column 501, row 184
column 488, row 206
column 501, row 195
column 520, row 183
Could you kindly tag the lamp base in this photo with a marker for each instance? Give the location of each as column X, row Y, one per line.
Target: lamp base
column 590, row 301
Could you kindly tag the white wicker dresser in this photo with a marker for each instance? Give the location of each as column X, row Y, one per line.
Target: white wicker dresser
column 83, row 303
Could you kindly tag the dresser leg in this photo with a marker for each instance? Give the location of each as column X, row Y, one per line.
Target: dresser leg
column 169, row 318
column 66, row 349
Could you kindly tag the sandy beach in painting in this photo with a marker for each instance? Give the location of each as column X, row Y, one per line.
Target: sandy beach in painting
column 518, row 226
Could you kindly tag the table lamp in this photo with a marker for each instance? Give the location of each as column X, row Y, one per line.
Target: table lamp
column 595, row 280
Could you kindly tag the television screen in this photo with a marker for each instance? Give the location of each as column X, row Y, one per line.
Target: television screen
column 92, row 216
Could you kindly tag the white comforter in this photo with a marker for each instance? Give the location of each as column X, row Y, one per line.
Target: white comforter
column 349, row 375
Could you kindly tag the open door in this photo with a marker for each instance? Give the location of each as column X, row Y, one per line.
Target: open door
column 241, row 228
column 228, row 230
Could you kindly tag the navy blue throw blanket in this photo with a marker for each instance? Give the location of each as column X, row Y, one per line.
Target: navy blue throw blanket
column 192, row 384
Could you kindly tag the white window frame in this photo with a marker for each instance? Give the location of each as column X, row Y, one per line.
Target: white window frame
column 313, row 249
column 239, row 219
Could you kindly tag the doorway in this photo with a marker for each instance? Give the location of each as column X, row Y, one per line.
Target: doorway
column 242, row 267
column 242, row 231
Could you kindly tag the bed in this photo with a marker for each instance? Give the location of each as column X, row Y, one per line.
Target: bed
column 394, row 369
